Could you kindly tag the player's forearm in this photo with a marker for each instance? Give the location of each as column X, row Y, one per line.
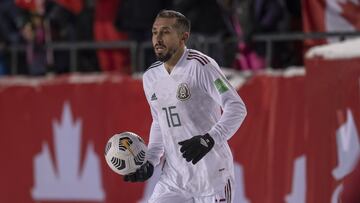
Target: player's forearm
column 154, row 154
column 155, row 146
column 234, row 113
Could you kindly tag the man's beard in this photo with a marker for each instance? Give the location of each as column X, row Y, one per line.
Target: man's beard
column 165, row 57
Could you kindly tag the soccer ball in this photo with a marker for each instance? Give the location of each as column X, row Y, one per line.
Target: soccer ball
column 125, row 152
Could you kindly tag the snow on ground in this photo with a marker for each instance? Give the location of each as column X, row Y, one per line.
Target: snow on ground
column 237, row 78
column 340, row 50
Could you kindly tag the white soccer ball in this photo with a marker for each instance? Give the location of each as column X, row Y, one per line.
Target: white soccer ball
column 125, row 152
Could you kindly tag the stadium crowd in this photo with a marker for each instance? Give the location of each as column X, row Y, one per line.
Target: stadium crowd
column 35, row 23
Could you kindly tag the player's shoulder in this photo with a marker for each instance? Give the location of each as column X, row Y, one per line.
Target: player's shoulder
column 199, row 58
column 154, row 65
column 152, row 69
column 202, row 62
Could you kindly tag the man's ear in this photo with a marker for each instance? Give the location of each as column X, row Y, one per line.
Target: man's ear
column 185, row 36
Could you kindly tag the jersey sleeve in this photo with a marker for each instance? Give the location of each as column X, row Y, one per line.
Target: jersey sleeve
column 219, row 89
column 155, row 146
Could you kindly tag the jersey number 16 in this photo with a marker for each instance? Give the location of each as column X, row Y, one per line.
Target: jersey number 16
column 172, row 118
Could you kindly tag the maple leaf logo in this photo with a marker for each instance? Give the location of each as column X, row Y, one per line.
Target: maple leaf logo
column 351, row 12
column 68, row 179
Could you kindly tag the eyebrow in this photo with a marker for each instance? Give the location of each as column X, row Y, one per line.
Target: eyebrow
column 163, row 28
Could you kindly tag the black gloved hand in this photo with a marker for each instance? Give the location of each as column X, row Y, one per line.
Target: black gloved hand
column 141, row 174
column 195, row 148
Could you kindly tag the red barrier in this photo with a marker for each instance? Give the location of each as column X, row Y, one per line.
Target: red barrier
column 28, row 118
column 332, row 101
column 53, row 133
column 272, row 135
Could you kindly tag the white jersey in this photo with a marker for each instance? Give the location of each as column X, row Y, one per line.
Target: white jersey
column 185, row 103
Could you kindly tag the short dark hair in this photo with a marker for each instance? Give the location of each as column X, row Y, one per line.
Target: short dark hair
column 182, row 23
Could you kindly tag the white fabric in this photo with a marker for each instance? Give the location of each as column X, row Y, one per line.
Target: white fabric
column 164, row 193
column 175, row 120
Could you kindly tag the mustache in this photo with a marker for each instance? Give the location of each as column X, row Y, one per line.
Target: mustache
column 159, row 45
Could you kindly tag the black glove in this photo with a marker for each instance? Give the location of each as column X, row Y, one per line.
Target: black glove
column 141, row 174
column 196, row 147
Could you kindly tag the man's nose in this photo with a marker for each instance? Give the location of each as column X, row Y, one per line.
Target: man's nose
column 159, row 37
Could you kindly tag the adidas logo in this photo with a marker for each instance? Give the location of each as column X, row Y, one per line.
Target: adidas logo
column 204, row 142
column 153, row 97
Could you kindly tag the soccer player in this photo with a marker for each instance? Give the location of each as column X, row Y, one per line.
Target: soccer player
column 195, row 111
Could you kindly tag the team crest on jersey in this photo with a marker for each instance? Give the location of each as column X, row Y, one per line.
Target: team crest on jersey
column 183, row 92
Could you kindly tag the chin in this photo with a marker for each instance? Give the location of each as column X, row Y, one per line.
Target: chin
column 163, row 58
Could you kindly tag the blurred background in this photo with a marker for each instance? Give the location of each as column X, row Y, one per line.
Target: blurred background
column 61, row 36
column 70, row 78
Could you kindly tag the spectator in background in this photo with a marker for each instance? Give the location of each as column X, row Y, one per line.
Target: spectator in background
column 230, row 19
column 250, row 17
column 87, row 61
column 10, row 25
column 34, row 34
column 104, row 30
column 10, row 22
column 135, row 17
column 208, row 23
column 238, row 16
column 3, row 68
column 279, row 16
column 72, row 20
column 62, row 16
column 205, row 16
column 292, row 54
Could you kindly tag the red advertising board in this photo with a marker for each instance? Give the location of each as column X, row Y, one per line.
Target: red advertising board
column 53, row 132
column 333, row 113
column 57, row 113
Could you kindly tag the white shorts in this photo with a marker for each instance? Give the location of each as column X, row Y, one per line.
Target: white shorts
column 165, row 194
